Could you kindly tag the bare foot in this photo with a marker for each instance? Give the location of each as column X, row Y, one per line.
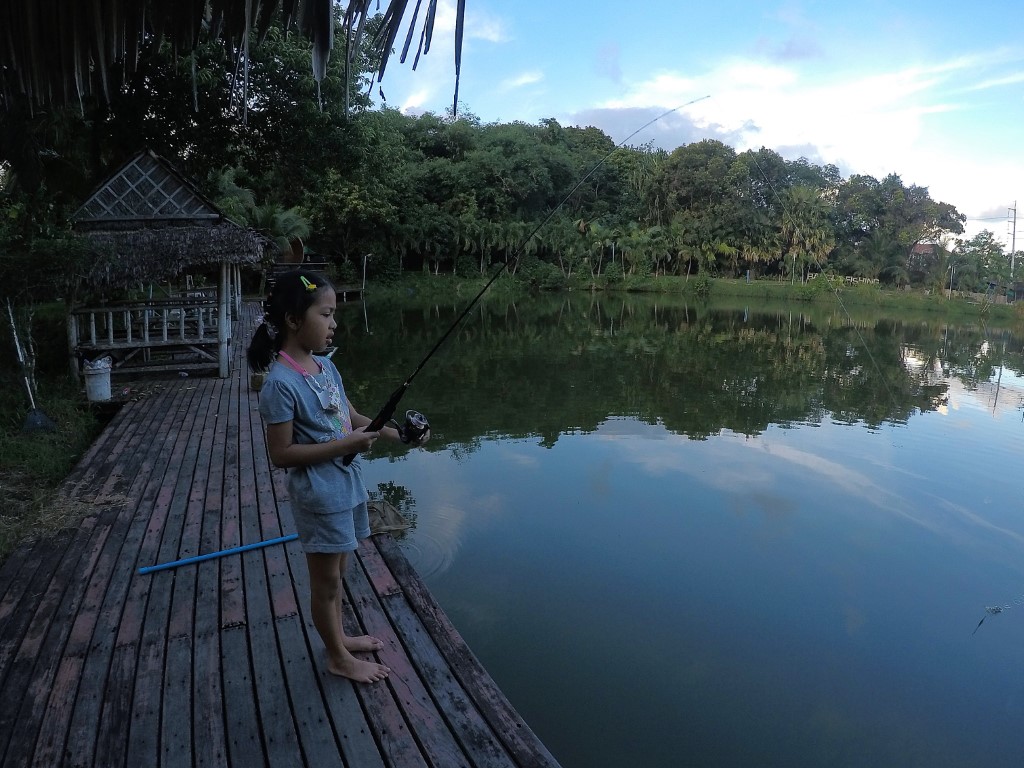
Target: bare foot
column 362, row 644
column 358, row 670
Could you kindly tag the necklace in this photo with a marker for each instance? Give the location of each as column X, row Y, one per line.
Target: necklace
column 327, row 392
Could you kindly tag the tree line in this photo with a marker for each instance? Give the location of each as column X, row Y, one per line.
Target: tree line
column 441, row 193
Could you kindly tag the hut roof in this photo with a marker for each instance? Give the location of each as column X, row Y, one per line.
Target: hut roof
column 148, row 222
column 145, row 190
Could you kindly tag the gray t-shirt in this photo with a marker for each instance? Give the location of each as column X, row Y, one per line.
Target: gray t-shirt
column 287, row 395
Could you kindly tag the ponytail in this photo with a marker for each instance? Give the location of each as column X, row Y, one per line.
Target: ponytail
column 262, row 349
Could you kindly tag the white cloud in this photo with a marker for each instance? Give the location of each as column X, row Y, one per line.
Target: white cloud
column 997, row 82
column 415, row 100
column 872, row 123
column 479, row 25
column 521, row 80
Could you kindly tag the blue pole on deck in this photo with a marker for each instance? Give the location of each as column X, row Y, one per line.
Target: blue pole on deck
column 212, row 555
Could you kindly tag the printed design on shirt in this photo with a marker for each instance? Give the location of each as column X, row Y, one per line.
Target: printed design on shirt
column 335, row 416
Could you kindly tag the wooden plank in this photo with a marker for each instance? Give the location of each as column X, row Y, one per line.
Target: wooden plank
column 74, row 614
column 176, row 721
column 15, row 613
column 313, row 725
column 419, row 710
column 21, row 566
column 476, row 736
column 521, row 743
column 208, row 723
column 55, row 721
column 109, row 674
column 144, row 741
column 346, row 715
column 380, row 576
column 16, row 572
column 277, row 724
column 243, row 737
column 21, row 649
column 279, row 728
column 113, row 660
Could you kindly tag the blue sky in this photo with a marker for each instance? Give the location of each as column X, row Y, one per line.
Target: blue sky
column 931, row 91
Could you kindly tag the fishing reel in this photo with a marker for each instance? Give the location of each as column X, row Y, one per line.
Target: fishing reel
column 414, row 428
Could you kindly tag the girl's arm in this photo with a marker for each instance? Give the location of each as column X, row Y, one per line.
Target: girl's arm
column 358, row 421
column 285, row 452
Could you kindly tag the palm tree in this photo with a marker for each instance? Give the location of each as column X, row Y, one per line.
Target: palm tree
column 887, row 256
column 805, row 229
column 235, row 201
column 285, row 226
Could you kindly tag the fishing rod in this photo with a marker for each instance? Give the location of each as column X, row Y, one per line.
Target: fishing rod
column 416, row 424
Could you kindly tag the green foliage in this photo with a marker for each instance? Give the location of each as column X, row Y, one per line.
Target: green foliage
column 343, row 272
column 701, row 285
column 543, row 275
column 818, row 287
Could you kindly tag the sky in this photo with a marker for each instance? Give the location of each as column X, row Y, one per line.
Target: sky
column 931, row 91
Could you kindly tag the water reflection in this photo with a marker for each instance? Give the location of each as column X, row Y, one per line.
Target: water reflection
column 793, row 519
column 573, row 362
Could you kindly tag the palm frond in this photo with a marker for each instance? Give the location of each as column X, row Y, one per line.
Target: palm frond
column 54, row 52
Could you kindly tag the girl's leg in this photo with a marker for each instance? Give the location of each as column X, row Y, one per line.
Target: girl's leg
column 360, row 643
column 325, row 604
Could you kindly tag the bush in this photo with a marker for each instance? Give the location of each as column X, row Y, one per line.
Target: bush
column 701, row 285
column 342, row 272
column 819, row 286
column 543, row 275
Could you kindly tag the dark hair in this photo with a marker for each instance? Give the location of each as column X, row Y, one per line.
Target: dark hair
column 291, row 295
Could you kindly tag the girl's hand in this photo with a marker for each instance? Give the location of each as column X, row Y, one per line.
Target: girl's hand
column 360, row 441
column 422, row 439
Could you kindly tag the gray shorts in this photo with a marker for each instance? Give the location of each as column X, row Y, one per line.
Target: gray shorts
column 332, row 532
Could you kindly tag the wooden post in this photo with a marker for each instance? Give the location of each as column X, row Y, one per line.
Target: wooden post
column 222, row 321
column 73, row 344
column 238, row 290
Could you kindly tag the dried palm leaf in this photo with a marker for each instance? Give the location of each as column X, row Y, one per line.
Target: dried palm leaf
column 58, row 51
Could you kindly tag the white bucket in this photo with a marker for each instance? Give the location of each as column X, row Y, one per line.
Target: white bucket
column 97, row 385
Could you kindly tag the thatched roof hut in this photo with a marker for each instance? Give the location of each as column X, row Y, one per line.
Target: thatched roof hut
column 150, row 223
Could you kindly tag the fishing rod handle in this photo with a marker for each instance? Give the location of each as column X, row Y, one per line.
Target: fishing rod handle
column 374, row 426
column 382, row 418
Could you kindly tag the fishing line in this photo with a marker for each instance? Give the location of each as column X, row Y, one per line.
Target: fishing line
column 386, row 412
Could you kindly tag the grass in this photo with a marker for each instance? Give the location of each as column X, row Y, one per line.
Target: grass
column 447, row 288
column 34, row 464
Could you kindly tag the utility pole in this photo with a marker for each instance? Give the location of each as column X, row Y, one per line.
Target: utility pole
column 1013, row 237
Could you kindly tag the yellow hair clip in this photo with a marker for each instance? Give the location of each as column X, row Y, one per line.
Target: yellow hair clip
column 309, row 286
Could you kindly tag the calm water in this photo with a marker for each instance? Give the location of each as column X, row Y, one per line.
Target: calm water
column 719, row 536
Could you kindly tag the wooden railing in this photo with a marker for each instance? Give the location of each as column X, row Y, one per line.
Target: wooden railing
column 180, row 333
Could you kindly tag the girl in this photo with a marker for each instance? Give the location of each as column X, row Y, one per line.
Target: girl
column 311, row 427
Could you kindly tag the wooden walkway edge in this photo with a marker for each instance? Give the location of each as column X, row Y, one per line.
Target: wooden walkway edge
column 217, row 663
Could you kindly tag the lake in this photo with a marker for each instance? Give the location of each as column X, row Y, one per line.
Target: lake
column 718, row 534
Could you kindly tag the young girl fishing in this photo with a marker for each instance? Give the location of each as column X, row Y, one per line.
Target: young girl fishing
column 311, row 426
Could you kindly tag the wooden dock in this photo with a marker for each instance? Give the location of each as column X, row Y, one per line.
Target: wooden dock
column 217, row 663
